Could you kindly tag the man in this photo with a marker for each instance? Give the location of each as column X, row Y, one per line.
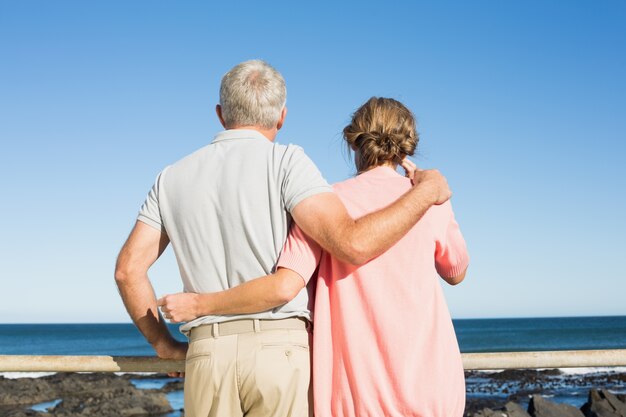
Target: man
column 226, row 209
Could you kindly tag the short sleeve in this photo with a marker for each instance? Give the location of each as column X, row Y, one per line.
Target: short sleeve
column 300, row 253
column 302, row 179
column 150, row 212
column 451, row 257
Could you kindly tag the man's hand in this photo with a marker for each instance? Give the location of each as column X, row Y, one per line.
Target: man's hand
column 173, row 350
column 181, row 307
column 435, row 183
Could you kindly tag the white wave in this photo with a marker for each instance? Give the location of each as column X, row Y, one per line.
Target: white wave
column 15, row 375
column 570, row 371
column 135, row 373
column 582, row 371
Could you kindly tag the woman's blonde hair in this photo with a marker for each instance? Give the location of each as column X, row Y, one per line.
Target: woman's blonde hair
column 381, row 130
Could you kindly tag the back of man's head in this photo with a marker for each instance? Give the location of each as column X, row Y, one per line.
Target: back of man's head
column 253, row 93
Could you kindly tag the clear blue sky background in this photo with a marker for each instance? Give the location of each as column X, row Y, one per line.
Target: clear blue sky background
column 521, row 104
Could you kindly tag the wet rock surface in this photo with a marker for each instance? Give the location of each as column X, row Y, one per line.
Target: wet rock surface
column 515, row 393
column 545, row 393
column 540, row 407
column 81, row 395
column 602, row 403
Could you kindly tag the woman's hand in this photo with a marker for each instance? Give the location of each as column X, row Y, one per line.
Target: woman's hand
column 409, row 168
column 180, row 307
column 430, row 178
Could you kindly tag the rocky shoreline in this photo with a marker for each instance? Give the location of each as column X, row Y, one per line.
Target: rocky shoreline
column 515, row 393
column 91, row 394
column 545, row 393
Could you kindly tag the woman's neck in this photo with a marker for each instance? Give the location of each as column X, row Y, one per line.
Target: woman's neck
column 387, row 164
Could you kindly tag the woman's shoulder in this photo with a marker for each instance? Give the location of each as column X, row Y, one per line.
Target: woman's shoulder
column 344, row 186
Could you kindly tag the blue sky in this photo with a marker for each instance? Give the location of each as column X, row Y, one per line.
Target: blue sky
column 522, row 105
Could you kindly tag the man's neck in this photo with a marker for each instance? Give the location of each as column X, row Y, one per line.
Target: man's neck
column 270, row 134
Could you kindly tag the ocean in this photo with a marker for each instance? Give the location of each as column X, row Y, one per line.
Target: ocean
column 474, row 335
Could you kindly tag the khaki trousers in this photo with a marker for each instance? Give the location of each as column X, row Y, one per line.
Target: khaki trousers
column 248, row 368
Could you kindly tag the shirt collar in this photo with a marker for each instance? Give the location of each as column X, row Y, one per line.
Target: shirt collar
column 233, row 134
column 382, row 171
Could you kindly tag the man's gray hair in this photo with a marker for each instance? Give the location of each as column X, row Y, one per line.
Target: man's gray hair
column 253, row 93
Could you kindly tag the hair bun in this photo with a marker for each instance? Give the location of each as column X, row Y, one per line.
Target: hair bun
column 389, row 143
column 382, row 130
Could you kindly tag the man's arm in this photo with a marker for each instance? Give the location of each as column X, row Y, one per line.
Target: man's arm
column 372, row 234
column 375, row 232
column 260, row 294
column 324, row 218
column 143, row 247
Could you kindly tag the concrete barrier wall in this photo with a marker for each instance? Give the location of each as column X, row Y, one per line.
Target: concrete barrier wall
column 471, row 361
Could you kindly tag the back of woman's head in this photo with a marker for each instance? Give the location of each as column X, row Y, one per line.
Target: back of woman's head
column 381, row 131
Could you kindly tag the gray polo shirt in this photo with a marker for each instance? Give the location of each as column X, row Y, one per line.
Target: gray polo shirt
column 226, row 211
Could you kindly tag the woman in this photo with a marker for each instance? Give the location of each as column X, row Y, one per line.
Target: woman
column 383, row 340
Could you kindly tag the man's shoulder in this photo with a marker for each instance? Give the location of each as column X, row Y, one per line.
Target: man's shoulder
column 291, row 155
column 288, row 148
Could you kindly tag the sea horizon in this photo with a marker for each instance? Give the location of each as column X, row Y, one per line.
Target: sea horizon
column 473, row 335
column 453, row 319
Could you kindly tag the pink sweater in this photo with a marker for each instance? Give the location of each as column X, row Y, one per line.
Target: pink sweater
column 383, row 340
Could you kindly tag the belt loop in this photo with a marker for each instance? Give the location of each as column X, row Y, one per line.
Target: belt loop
column 216, row 330
column 257, row 325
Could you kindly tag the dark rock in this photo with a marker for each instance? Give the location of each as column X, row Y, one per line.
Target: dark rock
column 126, row 402
column 173, row 386
column 486, row 412
column 21, row 413
column 540, row 407
column 523, row 374
column 477, row 405
column 92, row 394
column 512, row 409
column 24, row 391
column 603, row 404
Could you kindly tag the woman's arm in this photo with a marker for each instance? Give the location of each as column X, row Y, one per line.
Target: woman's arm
column 297, row 263
column 260, row 294
column 451, row 257
column 456, row 279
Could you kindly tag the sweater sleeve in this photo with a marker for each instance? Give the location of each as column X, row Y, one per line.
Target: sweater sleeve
column 451, row 257
column 300, row 253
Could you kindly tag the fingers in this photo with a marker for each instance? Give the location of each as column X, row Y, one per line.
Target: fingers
column 162, row 303
column 409, row 168
column 408, row 165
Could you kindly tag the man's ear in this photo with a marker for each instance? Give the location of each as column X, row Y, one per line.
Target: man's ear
column 218, row 110
column 283, row 114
